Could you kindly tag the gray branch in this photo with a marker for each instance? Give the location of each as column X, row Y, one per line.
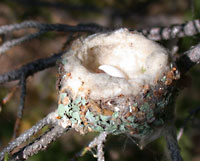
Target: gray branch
column 172, row 144
column 190, row 28
column 49, row 119
column 30, row 68
column 22, row 84
column 189, row 59
column 40, row 143
column 99, row 143
column 11, row 43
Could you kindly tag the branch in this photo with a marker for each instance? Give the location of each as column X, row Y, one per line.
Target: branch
column 52, row 27
column 190, row 28
column 172, row 144
column 30, row 68
column 43, row 28
column 21, row 106
column 49, row 119
column 189, row 59
column 11, row 43
column 40, row 143
column 99, row 143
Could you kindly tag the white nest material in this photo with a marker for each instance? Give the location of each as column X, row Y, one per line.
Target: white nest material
column 106, row 65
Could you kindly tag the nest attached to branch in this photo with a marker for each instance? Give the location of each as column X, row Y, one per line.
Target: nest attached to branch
column 119, row 82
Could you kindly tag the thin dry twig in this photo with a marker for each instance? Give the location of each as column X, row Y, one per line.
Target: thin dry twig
column 21, row 106
column 190, row 28
column 11, row 43
column 7, row 98
column 189, row 59
column 49, row 119
column 53, row 27
column 43, row 28
column 99, row 143
column 40, row 143
column 30, row 68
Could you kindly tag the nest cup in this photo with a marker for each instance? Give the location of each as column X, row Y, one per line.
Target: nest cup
column 119, row 82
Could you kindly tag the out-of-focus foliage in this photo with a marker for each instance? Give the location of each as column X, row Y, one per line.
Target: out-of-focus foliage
column 42, row 95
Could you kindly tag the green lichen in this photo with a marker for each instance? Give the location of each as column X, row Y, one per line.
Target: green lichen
column 115, row 115
column 89, row 115
column 63, row 95
column 98, row 128
column 150, row 115
column 144, row 129
column 131, row 118
column 61, row 110
column 64, row 61
column 115, row 124
column 112, row 128
column 163, row 79
column 83, row 102
column 122, row 128
column 74, row 121
column 104, row 118
column 158, row 122
column 76, row 116
column 77, row 100
column 75, row 107
column 135, row 105
column 145, row 107
column 143, row 70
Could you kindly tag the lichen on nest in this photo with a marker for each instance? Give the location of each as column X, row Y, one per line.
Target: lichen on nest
column 118, row 82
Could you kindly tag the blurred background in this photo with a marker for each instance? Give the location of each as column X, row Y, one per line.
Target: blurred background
column 41, row 89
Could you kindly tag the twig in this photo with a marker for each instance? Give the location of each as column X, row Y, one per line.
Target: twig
column 189, row 118
column 49, row 119
column 97, row 142
column 21, row 106
column 7, row 97
column 11, row 43
column 40, row 143
column 53, row 27
column 92, row 28
column 172, row 144
column 190, row 28
column 30, row 68
column 189, row 59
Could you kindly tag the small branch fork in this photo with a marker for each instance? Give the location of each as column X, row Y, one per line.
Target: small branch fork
column 41, row 143
column 99, row 143
column 185, row 62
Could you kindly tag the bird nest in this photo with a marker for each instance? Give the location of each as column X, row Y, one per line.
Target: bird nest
column 118, row 82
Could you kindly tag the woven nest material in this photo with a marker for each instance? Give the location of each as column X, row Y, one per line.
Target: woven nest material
column 119, row 82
